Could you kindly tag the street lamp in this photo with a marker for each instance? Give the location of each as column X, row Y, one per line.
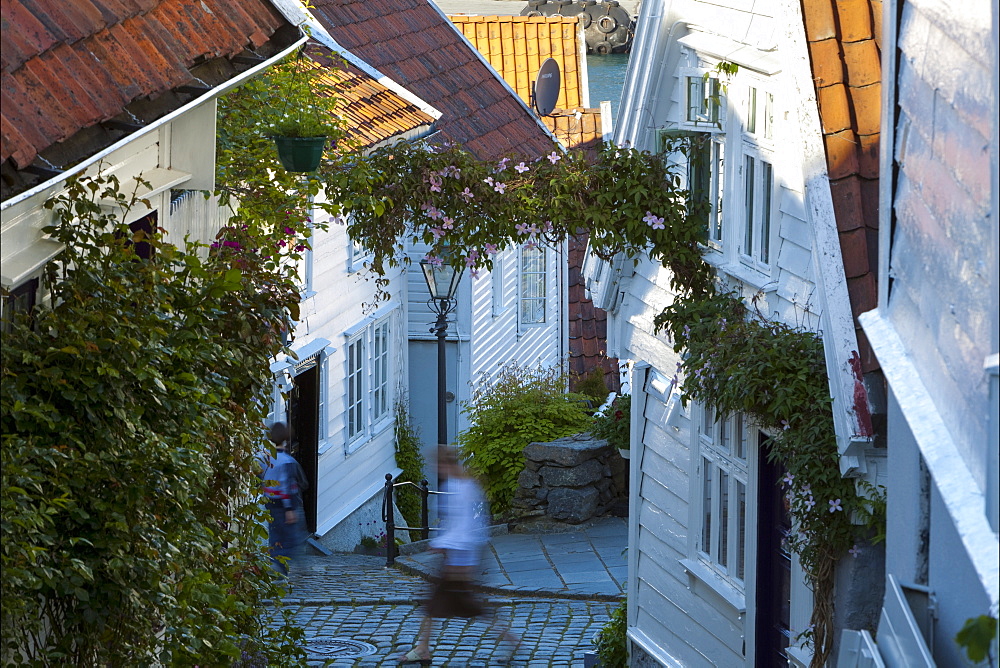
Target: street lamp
column 442, row 283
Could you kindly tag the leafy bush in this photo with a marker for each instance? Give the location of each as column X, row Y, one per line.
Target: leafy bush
column 612, row 646
column 520, row 406
column 131, row 412
column 614, row 424
column 410, row 459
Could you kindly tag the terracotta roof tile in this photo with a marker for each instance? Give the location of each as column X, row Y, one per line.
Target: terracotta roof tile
column 854, row 246
column 868, row 159
column 854, row 20
column 412, row 43
column 97, row 56
column 866, row 103
column 847, row 204
column 869, row 202
column 841, row 154
column 828, row 68
column 835, row 110
column 820, row 20
column 863, row 61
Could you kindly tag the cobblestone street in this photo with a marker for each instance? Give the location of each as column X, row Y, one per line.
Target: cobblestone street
column 356, row 598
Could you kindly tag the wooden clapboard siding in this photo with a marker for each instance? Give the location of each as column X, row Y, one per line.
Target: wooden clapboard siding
column 333, row 308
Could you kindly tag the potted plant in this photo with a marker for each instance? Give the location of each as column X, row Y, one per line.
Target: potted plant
column 613, row 424
column 306, row 117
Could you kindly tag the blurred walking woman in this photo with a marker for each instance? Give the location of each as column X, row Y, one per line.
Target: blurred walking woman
column 461, row 542
column 284, row 482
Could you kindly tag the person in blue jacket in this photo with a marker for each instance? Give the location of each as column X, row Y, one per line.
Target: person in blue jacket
column 284, row 481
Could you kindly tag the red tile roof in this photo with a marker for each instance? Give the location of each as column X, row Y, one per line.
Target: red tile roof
column 844, row 38
column 588, row 325
column 411, row 42
column 373, row 112
column 66, row 65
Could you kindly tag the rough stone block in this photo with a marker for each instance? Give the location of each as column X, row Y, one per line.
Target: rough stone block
column 568, row 451
column 528, row 479
column 572, row 505
column 577, row 476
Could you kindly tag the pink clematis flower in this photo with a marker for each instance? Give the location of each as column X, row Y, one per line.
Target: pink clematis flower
column 434, row 260
column 467, row 194
column 448, row 223
column 500, row 187
column 521, row 168
column 835, row 505
column 491, row 249
column 553, row 157
column 522, row 228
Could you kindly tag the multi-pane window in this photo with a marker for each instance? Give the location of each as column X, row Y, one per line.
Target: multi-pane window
column 355, row 387
column 760, row 113
column 758, row 188
column 369, row 393
column 20, row 302
column 532, row 299
column 705, row 181
column 703, row 99
column 723, row 488
column 380, row 371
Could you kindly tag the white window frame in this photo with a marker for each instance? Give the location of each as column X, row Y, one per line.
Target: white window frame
column 540, row 277
column 357, row 256
column 369, row 368
column 716, row 545
column 708, row 112
column 758, row 113
column 758, row 213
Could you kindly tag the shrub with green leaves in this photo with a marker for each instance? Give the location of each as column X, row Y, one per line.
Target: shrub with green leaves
column 519, row 406
column 132, row 410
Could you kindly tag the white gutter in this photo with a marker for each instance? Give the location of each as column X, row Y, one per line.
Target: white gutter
column 297, row 15
column 155, row 125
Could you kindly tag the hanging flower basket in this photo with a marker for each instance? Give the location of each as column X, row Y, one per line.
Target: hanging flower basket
column 300, row 154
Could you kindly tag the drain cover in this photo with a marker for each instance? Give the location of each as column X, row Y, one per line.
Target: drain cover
column 340, row 647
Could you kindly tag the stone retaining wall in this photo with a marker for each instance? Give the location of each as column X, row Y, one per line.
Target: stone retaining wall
column 569, row 481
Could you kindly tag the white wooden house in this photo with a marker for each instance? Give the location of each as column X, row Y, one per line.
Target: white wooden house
column 709, row 582
column 350, row 362
column 935, row 331
column 518, row 312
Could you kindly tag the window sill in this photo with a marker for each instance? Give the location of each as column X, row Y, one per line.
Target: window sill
column 707, row 576
column 748, row 275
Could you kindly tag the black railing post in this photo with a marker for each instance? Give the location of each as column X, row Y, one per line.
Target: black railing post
column 425, row 524
column 388, row 516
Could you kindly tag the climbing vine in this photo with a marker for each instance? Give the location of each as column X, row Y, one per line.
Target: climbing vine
column 463, row 211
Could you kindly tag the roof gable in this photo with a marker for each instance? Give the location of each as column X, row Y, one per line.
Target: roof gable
column 411, row 42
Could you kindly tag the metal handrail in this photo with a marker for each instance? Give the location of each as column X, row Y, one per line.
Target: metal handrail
column 390, row 520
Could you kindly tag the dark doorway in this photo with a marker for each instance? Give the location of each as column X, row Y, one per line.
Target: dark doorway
column 303, row 418
column 774, row 564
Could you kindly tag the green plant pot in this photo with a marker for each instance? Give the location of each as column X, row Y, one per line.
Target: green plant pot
column 300, row 154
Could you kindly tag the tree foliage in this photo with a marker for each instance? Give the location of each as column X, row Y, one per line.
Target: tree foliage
column 132, row 407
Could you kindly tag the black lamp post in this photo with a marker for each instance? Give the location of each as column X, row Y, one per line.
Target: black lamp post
column 442, row 282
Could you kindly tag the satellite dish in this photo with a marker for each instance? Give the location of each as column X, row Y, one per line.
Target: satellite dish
column 545, row 92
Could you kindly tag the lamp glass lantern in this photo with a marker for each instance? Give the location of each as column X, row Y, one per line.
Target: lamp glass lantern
column 442, row 280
